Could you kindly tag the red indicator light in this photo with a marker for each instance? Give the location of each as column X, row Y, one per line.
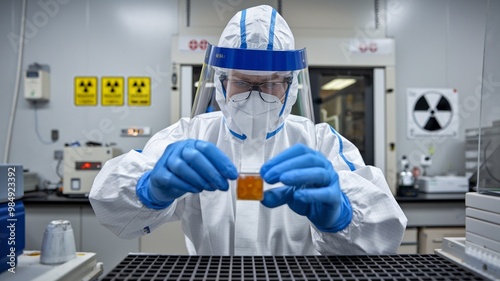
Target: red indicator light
column 88, row 166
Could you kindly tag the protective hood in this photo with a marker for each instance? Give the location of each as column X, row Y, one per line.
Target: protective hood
column 255, row 49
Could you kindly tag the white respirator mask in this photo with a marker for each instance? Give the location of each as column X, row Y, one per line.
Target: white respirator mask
column 252, row 116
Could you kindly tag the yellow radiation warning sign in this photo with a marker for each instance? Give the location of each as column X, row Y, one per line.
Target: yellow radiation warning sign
column 112, row 91
column 85, row 91
column 139, row 91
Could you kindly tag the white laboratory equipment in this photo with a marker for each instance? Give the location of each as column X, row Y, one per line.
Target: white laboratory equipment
column 37, row 83
column 81, row 166
column 443, row 184
column 425, row 162
column 406, row 180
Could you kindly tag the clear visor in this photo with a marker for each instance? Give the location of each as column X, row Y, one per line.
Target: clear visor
column 236, row 75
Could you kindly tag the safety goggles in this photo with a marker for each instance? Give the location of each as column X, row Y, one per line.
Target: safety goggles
column 234, row 85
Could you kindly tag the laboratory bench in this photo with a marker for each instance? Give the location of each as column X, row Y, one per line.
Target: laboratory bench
column 434, row 209
column 51, row 198
column 429, row 197
column 83, row 267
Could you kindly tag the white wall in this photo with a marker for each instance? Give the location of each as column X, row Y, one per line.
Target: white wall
column 80, row 38
column 439, row 44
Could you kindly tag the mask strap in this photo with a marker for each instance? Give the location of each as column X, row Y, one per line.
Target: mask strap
column 286, row 96
column 221, row 80
column 271, row 134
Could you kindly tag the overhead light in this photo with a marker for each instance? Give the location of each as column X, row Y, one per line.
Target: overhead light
column 207, row 85
column 338, row 84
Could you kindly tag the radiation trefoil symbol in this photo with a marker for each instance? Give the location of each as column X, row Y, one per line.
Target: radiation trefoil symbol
column 432, row 113
column 85, row 86
column 112, row 86
column 139, row 86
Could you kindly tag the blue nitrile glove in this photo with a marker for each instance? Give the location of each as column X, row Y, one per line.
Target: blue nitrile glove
column 311, row 188
column 185, row 166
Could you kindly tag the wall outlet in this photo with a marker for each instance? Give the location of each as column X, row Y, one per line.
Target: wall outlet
column 54, row 134
column 58, row 154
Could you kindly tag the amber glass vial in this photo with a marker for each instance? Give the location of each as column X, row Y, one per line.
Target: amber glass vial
column 250, row 187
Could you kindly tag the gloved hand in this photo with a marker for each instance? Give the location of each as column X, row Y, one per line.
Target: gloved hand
column 311, row 188
column 185, row 166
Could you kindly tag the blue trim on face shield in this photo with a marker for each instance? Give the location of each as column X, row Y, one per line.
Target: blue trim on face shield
column 271, row 30
column 258, row 60
column 243, row 30
column 341, row 150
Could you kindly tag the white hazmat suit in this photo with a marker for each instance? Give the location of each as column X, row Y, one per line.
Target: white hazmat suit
column 215, row 222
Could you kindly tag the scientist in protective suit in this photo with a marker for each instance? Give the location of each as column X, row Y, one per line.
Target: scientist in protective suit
column 319, row 196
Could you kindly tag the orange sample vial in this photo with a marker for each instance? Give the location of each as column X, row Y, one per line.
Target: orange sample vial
column 250, row 187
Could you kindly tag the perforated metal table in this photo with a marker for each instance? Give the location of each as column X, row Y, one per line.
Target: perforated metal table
column 391, row 267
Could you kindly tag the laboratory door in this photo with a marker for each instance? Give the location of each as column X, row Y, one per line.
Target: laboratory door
column 344, row 98
column 190, row 76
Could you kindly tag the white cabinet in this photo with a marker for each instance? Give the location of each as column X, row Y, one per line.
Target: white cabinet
column 410, row 242
column 96, row 238
column 431, row 238
column 166, row 239
column 436, row 214
column 430, row 218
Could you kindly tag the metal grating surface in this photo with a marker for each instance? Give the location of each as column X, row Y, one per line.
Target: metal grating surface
column 391, row 267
